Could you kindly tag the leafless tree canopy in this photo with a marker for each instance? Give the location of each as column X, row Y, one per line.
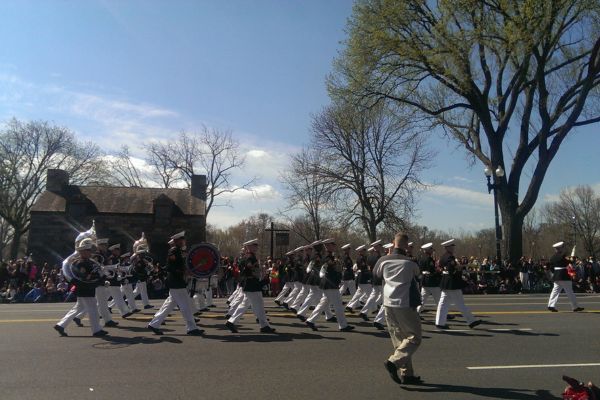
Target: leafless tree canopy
column 370, row 161
column 308, row 192
column 578, row 208
column 124, row 172
column 27, row 150
column 506, row 79
column 212, row 152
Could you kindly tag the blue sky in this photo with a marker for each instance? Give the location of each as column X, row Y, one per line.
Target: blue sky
column 129, row 72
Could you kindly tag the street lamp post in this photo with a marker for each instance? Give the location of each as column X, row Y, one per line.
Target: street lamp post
column 498, row 173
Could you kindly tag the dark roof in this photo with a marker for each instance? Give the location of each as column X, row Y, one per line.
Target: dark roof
column 120, row 200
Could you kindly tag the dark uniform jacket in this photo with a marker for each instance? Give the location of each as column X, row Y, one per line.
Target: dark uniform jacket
column 371, row 261
column 313, row 278
column 112, row 260
column 431, row 276
column 139, row 269
column 299, row 271
column 348, row 271
column 452, row 276
column 364, row 275
column 176, row 268
column 333, row 276
column 250, row 274
column 86, row 269
column 558, row 265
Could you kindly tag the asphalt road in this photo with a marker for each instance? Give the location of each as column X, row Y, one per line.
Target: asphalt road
column 524, row 348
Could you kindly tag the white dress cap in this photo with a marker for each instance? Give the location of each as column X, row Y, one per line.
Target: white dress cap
column 361, row 247
column 178, row 235
column 448, row 243
column 558, row 244
column 410, row 244
column 427, row 246
column 371, row 248
column 375, row 243
column 102, row 241
column 388, row 245
column 346, row 246
column 249, row 242
column 328, row 241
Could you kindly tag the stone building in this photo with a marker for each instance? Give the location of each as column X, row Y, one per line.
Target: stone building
column 121, row 214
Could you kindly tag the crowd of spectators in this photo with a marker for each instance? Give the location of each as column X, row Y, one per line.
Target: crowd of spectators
column 24, row 281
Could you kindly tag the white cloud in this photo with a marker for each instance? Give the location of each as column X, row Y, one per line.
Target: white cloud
column 454, row 194
column 258, row 192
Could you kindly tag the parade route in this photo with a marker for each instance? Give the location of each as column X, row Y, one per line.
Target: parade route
column 520, row 352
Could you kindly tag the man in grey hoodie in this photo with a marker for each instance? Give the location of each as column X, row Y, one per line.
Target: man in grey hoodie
column 401, row 298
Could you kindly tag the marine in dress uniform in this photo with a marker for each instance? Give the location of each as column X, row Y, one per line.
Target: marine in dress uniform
column 178, row 294
column 562, row 281
column 127, row 283
column 451, row 286
column 297, row 274
column 330, row 275
column 140, row 269
column 288, row 272
column 252, row 290
column 85, row 290
column 307, row 277
column 312, row 283
column 431, row 276
column 348, row 278
column 363, row 279
column 375, row 297
column 114, row 288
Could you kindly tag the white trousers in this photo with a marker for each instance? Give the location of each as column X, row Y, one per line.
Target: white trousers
column 456, row 298
column 559, row 286
column 524, row 277
column 181, row 298
column 297, row 303
column 254, row 300
column 237, row 300
column 89, row 306
column 115, row 292
column 364, row 290
column 333, row 297
column 142, row 290
column 350, row 285
column 371, row 304
column 127, row 290
column 285, row 290
column 102, row 303
column 380, row 317
column 294, row 293
column 208, row 296
column 427, row 291
column 314, row 297
column 234, row 293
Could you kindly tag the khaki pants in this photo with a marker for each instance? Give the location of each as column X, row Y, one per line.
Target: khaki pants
column 404, row 325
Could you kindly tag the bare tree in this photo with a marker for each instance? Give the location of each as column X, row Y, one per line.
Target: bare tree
column 212, row 152
column 6, row 234
column 499, row 77
column 124, row 172
column 158, row 157
column 27, row 150
column 371, row 160
column 578, row 208
column 308, row 192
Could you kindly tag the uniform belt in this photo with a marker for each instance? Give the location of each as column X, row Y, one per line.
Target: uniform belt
column 425, row 272
column 557, row 268
column 446, row 273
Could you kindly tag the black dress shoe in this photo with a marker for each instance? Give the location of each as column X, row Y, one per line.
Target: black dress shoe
column 228, row 302
column 293, row 310
column 111, row 323
column 212, row 306
column 136, row 311
column 196, row 332
column 347, row 328
column 60, row 330
column 277, row 302
column 412, row 380
column 348, row 309
column 450, row 317
column 110, row 310
column 332, row 319
column 126, row 315
column 267, row 329
column 148, row 306
column 286, row 306
column 155, row 330
column 198, row 313
column 552, row 309
column 442, row 327
column 100, row 333
column 311, row 326
column 475, row 323
column 393, row 371
column 301, row 317
column 364, row 317
column 578, row 309
column 196, row 319
column 77, row 322
column 231, row 327
column 379, row 326
column 227, row 316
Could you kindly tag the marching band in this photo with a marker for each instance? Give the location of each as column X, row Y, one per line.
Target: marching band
column 316, row 278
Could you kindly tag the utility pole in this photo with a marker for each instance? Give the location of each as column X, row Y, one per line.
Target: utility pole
column 273, row 230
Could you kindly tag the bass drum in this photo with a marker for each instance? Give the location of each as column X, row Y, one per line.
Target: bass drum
column 202, row 260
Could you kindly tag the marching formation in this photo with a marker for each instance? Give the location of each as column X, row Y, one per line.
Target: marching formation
column 316, row 278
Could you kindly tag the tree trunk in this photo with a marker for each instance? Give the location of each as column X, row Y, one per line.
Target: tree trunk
column 16, row 243
column 512, row 229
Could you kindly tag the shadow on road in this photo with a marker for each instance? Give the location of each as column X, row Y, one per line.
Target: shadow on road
column 111, row 342
column 495, row 393
column 268, row 338
column 522, row 333
column 450, row 332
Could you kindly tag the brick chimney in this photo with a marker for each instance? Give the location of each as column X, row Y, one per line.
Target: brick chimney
column 199, row 187
column 56, row 180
